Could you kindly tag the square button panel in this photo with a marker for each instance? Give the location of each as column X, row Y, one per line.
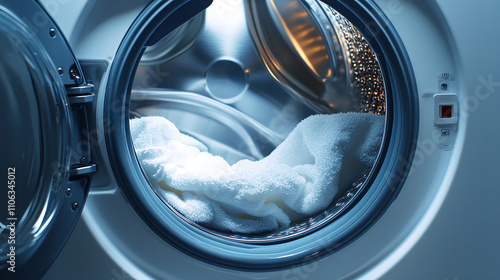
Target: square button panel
column 446, row 109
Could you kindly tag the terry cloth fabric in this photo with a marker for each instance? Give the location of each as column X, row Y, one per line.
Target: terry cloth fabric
column 300, row 177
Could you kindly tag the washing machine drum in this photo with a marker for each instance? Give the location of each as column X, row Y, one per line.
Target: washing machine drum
column 265, row 136
column 261, row 134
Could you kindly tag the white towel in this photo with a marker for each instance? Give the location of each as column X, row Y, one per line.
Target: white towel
column 300, row 177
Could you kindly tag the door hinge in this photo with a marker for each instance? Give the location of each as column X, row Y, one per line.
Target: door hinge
column 81, row 94
column 83, row 170
column 80, row 98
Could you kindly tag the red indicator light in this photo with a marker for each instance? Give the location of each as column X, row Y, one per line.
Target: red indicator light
column 445, row 111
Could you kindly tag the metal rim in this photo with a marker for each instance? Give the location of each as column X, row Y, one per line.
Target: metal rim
column 388, row 177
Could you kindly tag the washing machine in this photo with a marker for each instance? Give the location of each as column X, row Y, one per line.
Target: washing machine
column 240, row 76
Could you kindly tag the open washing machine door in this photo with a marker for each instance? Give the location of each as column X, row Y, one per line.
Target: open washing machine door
column 46, row 150
column 46, row 153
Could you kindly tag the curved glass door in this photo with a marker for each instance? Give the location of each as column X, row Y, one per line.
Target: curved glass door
column 35, row 139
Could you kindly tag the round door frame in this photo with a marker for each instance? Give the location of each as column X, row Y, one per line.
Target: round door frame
column 390, row 173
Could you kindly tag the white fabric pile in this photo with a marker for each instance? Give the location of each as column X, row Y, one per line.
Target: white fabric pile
column 300, row 177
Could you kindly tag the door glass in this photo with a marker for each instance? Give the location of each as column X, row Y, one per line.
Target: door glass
column 35, row 131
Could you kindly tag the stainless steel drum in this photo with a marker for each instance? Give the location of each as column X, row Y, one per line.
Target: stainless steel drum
column 241, row 75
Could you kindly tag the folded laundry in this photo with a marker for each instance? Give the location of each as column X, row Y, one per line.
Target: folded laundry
column 299, row 178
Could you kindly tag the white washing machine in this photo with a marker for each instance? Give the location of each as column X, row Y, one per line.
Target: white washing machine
column 238, row 76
